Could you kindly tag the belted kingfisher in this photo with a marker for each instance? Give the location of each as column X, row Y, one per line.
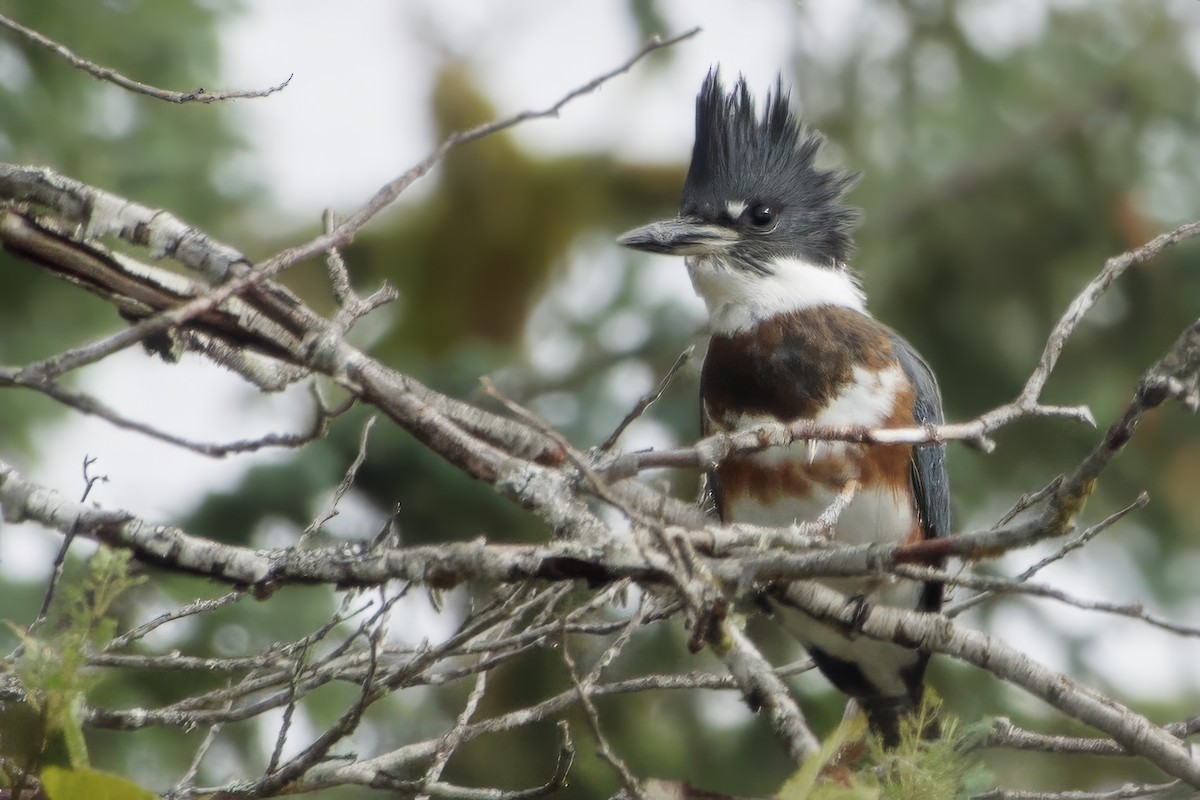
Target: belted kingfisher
column 767, row 238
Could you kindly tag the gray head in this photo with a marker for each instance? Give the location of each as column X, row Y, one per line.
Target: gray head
column 753, row 195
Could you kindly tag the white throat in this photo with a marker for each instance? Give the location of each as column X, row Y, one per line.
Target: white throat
column 738, row 299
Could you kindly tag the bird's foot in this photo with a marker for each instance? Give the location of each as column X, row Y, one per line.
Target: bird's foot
column 860, row 608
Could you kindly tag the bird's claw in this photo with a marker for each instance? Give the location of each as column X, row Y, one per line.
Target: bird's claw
column 861, row 608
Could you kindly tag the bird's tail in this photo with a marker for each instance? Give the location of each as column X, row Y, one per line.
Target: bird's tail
column 886, row 717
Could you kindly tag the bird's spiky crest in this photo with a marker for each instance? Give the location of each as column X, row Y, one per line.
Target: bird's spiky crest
column 768, row 159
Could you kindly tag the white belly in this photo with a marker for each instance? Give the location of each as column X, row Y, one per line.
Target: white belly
column 873, row 516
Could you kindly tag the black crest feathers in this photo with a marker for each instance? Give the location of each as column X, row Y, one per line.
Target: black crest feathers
column 740, row 156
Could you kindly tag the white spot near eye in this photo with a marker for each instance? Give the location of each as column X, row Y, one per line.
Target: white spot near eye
column 735, row 207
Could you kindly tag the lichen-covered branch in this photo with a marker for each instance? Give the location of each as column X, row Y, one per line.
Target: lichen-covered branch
column 613, row 535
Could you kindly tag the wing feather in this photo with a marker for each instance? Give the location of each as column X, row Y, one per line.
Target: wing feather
column 930, row 481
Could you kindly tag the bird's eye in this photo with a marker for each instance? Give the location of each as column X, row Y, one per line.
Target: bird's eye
column 762, row 215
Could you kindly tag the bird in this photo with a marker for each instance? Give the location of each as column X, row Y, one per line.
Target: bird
column 767, row 237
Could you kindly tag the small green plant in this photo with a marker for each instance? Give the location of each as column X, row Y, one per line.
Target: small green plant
column 919, row 768
column 820, row 777
column 52, row 665
column 928, row 768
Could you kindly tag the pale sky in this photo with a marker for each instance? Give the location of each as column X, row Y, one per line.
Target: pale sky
column 354, row 114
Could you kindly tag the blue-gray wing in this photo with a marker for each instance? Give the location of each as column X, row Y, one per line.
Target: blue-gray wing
column 931, row 483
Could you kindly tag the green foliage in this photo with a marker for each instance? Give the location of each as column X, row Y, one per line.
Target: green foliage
column 90, row 784
column 808, row 783
column 919, row 768
column 922, row 768
column 52, row 666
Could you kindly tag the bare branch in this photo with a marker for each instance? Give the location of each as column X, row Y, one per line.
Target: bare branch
column 1114, row 268
column 1127, row 792
column 44, row 186
column 353, row 307
column 583, row 692
column 189, row 776
column 601, row 559
column 60, row 558
column 343, row 487
column 566, row 754
column 763, row 689
column 275, row 779
column 114, row 77
column 991, row 586
column 648, row 400
column 454, row 736
column 1067, row 547
column 1005, row 734
column 937, row 634
column 799, row 536
column 390, row 191
column 86, row 404
column 191, row 609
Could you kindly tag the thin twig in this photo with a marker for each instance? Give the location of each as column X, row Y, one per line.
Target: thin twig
column 1068, row 547
column 453, row 737
column 346, row 724
column 189, row 776
column 583, row 691
column 390, row 191
column 799, row 536
column 1030, row 500
column 352, row 307
column 566, row 755
column 289, row 710
column 247, row 279
column 86, row 404
column 191, row 609
column 648, row 400
column 343, row 487
column 183, row 785
column 1114, row 268
column 112, row 76
column 993, row 586
column 60, row 558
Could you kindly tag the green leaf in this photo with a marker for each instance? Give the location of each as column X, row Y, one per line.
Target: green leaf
column 805, row 782
column 90, row 784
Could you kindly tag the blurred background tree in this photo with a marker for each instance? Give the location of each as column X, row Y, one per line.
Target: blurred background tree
column 1004, row 159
